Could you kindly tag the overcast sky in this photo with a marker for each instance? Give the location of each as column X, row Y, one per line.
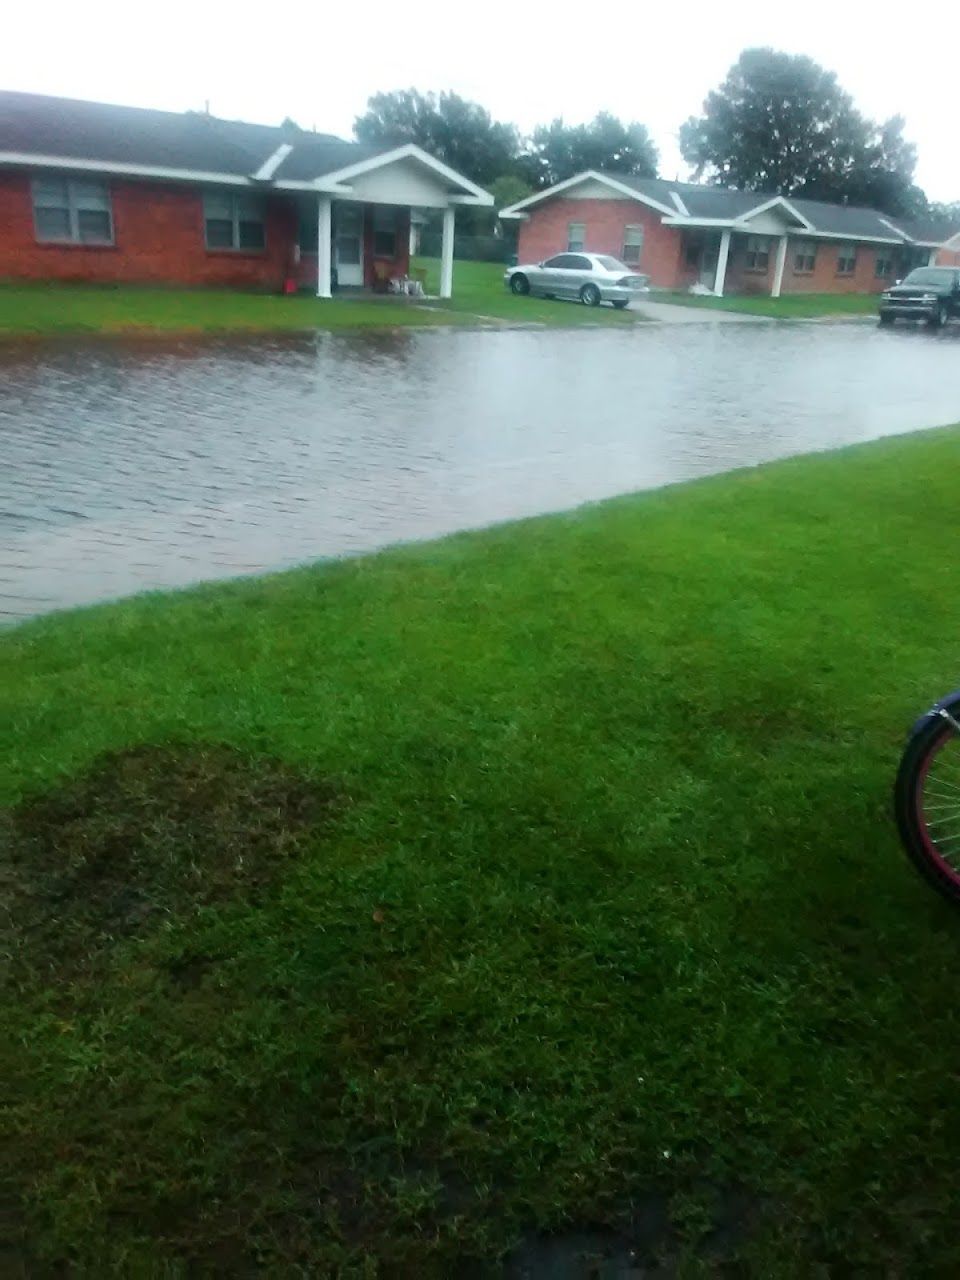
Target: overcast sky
column 525, row 61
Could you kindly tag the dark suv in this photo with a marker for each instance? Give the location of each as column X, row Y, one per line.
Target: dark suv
column 928, row 293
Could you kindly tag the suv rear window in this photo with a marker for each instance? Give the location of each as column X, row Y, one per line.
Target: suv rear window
column 939, row 277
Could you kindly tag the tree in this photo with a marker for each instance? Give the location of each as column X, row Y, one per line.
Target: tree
column 460, row 133
column 949, row 211
column 508, row 189
column 557, row 151
column 782, row 123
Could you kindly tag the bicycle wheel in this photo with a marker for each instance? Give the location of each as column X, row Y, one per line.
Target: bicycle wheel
column 927, row 797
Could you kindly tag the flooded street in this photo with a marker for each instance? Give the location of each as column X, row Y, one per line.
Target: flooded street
column 126, row 466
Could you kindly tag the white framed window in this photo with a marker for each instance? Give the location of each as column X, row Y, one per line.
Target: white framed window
column 884, row 267
column 804, row 256
column 576, row 237
column 384, row 232
column 72, row 212
column 758, row 253
column 233, row 221
column 632, row 244
column 846, row 260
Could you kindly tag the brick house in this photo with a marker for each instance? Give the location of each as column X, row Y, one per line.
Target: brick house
column 103, row 193
column 682, row 234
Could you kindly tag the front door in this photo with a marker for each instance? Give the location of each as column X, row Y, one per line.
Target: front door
column 348, row 244
column 709, row 260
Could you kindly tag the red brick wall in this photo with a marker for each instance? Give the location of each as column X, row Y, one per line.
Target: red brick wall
column 545, row 233
column 824, row 277
column 158, row 235
column 948, row 258
column 739, row 279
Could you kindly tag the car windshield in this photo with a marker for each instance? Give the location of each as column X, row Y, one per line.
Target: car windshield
column 930, row 275
column 611, row 264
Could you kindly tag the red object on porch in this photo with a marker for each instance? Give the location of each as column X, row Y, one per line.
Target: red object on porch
column 289, row 285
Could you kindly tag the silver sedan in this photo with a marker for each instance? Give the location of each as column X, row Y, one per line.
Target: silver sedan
column 591, row 277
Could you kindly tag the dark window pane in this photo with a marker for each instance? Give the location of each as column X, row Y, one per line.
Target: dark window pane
column 631, row 253
column 53, row 224
column 385, row 244
column 217, row 206
column 50, row 191
column 94, row 226
column 89, row 195
column 308, row 235
column 219, row 233
column 251, row 235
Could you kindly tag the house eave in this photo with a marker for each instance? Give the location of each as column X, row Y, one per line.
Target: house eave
column 31, row 160
column 326, row 184
column 621, row 188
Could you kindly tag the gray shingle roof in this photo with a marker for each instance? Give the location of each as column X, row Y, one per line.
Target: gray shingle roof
column 928, row 230
column 34, row 124
column 705, row 201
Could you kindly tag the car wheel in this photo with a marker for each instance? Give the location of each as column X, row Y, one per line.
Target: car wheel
column 939, row 318
column 886, row 318
column 590, row 295
column 621, row 304
column 519, row 284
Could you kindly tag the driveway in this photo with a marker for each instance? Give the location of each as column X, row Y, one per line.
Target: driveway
column 126, row 466
column 677, row 313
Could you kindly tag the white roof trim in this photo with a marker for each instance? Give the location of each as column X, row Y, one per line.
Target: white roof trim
column 272, row 163
column 517, row 210
column 952, row 243
column 798, row 233
column 846, row 235
column 681, row 207
column 331, row 181
column 691, row 221
column 325, row 183
column 776, row 202
column 887, row 223
column 120, row 167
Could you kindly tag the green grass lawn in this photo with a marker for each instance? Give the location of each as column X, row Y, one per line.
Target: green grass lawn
column 534, row 879
column 793, row 306
column 479, row 296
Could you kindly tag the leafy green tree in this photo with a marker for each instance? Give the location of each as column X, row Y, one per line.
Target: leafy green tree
column 949, row 210
column 460, row 133
column 508, row 189
column 557, row 151
column 780, row 122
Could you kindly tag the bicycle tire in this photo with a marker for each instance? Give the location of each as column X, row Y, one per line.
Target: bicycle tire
column 930, row 852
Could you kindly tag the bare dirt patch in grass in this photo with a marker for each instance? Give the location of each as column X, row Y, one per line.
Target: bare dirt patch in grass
column 147, row 833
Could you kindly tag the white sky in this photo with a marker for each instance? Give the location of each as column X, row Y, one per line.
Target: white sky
column 650, row 62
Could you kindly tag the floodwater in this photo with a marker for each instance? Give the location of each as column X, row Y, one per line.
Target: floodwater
column 126, row 466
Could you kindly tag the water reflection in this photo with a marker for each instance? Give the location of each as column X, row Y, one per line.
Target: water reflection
column 128, row 465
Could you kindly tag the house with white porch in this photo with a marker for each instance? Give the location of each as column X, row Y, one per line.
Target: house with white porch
column 93, row 192
column 684, row 234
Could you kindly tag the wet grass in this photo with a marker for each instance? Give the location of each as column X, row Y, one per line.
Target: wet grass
column 539, row 887
column 793, row 306
column 480, row 298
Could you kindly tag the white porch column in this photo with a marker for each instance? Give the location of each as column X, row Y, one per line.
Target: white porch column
column 778, row 269
column 722, row 263
column 446, row 252
column 932, row 260
column 324, row 238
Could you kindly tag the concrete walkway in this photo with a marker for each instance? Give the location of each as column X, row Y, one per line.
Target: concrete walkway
column 674, row 313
